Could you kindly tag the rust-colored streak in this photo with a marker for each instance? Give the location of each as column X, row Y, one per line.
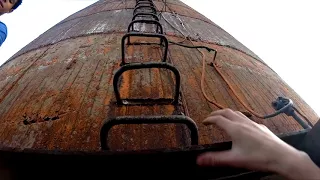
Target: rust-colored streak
column 153, row 83
column 7, row 91
column 125, row 86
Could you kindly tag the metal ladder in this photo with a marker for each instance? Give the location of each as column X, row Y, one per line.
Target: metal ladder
column 146, row 9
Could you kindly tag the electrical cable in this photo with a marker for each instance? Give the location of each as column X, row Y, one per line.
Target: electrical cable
column 224, row 78
column 203, row 72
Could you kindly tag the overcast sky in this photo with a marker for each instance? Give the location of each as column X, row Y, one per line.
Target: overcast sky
column 285, row 34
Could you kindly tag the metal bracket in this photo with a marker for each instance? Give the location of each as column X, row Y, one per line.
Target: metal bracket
column 133, row 66
column 162, row 38
column 145, row 14
column 108, row 124
column 285, row 105
column 157, row 23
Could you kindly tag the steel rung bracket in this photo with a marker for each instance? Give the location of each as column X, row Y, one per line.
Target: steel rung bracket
column 108, row 124
column 147, row 3
column 157, row 23
column 134, row 66
column 163, row 41
column 153, row 9
column 145, row 14
column 144, row 1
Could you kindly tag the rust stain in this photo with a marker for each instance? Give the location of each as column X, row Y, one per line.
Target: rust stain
column 17, row 80
column 89, row 41
column 125, row 85
column 106, row 50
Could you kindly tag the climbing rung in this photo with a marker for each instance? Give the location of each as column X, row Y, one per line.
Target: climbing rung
column 163, row 41
column 108, row 124
column 147, row 3
column 149, row 101
column 159, row 28
column 144, row 1
column 144, row 7
column 144, row 15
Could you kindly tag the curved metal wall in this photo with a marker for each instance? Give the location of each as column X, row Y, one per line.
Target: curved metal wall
column 56, row 92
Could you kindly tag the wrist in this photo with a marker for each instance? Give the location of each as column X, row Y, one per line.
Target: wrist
column 297, row 165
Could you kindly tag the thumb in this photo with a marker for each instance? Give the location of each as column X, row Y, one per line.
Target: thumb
column 215, row 159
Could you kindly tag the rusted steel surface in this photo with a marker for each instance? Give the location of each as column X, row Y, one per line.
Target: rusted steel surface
column 57, row 91
column 176, row 6
column 115, row 16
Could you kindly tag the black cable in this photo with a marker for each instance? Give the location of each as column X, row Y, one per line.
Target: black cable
column 192, row 47
column 210, row 49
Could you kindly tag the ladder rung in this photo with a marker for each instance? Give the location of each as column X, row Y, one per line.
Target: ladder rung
column 178, row 119
column 134, row 66
column 145, row 3
column 157, row 23
column 153, row 9
column 163, row 41
column 145, row 14
column 143, row 0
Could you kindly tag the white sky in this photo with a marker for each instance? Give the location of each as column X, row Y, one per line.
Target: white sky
column 285, row 34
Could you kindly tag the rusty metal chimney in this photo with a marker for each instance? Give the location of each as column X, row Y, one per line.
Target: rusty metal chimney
column 56, row 93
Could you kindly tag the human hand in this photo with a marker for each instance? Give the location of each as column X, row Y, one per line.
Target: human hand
column 254, row 147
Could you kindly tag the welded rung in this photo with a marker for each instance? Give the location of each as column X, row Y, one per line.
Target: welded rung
column 151, row 15
column 144, row 9
column 147, row 3
column 159, row 28
column 163, row 42
column 124, row 120
column 148, row 101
